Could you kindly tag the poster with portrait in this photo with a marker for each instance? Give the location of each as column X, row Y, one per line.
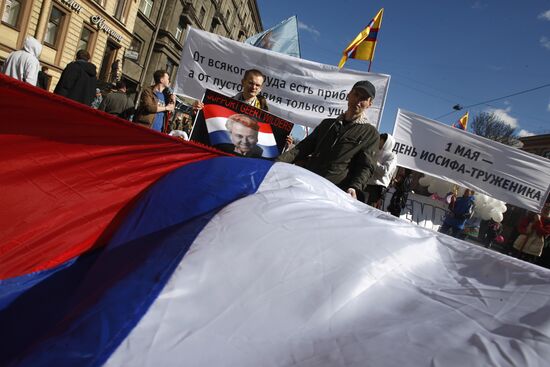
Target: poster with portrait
column 238, row 128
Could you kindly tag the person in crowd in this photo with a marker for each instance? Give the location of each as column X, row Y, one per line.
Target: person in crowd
column 494, row 229
column 115, row 71
column 78, row 81
column 97, row 99
column 460, row 210
column 244, row 136
column 23, row 64
column 342, row 150
column 544, row 260
column 43, row 78
column 118, row 103
column 252, row 83
column 186, row 123
column 534, row 229
column 386, row 165
column 181, row 122
column 154, row 104
column 402, row 189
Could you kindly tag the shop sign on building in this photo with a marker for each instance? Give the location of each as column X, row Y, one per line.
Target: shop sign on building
column 73, row 5
column 99, row 22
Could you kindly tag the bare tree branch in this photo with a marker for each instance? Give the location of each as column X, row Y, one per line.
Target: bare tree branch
column 492, row 127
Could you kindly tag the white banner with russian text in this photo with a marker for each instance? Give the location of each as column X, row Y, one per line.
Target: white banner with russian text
column 301, row 91
column 500, row 171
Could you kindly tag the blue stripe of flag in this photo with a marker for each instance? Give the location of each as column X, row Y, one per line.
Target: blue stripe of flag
column 92, row 305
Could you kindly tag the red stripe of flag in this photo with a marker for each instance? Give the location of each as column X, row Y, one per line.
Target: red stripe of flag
column 68, row 173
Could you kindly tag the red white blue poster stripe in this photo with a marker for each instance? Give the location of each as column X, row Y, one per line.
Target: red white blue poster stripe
column 216, row 117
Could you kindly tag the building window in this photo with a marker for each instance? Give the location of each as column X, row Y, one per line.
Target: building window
column 12, row 9
column 169, row 67
column 84, row 42
column 145, row 6
column 214, row 25
column 54, row 27
column 201, row 15
column 179, row 29
column 135, row 45
column 119, row 12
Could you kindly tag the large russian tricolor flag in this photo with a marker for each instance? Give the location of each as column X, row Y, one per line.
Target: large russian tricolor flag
column 125, row 247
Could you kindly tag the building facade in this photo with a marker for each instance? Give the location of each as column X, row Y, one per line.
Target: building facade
column 160, row 29
column 537, row 144
column 103, row 27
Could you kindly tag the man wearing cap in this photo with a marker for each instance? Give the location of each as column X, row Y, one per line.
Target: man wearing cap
column 342, row 150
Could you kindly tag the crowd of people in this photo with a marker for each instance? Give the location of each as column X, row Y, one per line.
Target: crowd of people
column 346, row 150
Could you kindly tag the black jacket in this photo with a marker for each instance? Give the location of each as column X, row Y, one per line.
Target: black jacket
column 343, row 153
column 78, row 82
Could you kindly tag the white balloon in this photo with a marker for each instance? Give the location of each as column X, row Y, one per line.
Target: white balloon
column 480, row 199
column 486, row 206
column 486, row 215
column 496, row 216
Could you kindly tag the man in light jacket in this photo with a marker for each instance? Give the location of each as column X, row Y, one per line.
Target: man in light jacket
column 23, row 64
column 386, row 165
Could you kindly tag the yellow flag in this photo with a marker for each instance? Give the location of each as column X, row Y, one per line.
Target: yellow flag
column 362, row 47
column 463, row 122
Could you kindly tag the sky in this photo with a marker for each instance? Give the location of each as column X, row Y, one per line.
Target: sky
column 439, row 53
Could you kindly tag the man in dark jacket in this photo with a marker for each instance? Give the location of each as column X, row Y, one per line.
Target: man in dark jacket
column 78, row 80
column 117, row 103
column 342, row 150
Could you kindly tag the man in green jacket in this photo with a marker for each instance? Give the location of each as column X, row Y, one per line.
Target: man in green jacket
column 342, row 150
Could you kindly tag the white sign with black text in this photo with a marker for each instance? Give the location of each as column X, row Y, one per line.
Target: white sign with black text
column 500, row 171
column 300, row 91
